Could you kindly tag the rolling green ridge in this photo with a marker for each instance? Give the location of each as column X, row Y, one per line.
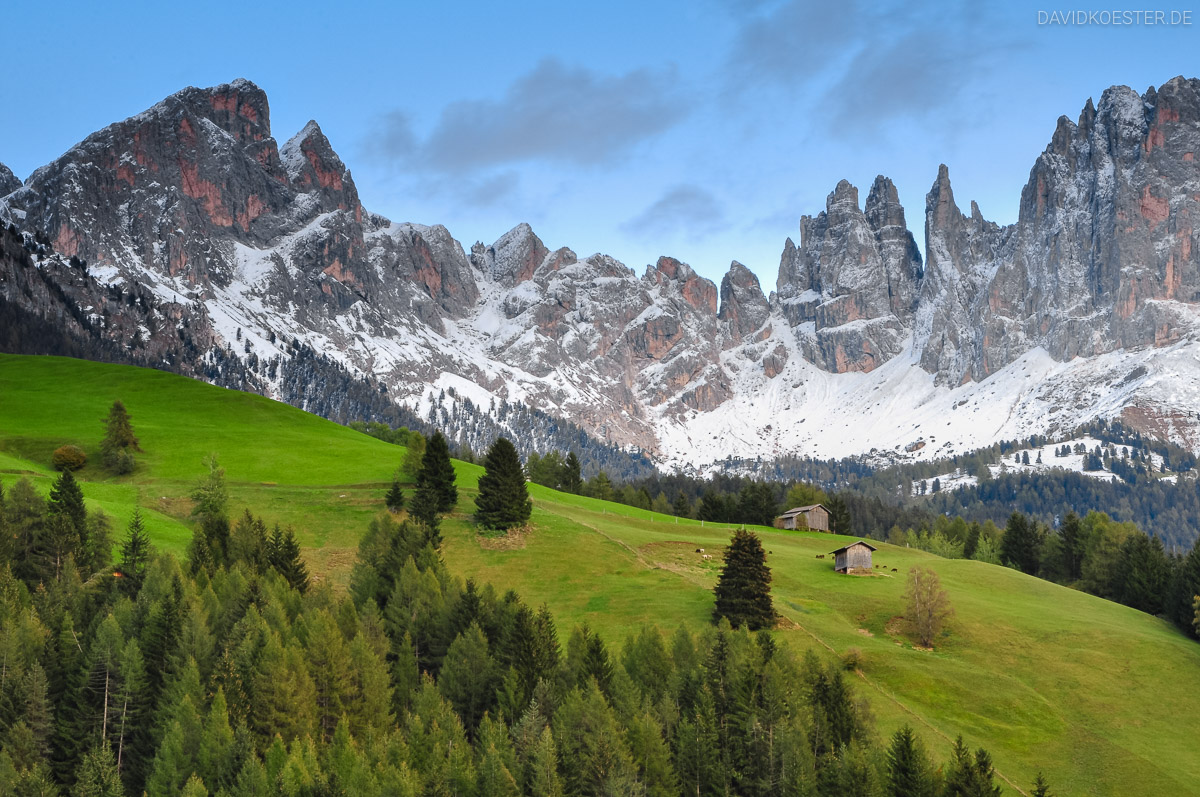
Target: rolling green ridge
column 1104, row 699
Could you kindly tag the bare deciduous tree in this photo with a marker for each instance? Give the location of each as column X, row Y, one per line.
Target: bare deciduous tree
column 928, row 604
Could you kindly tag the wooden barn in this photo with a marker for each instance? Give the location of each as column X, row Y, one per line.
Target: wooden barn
column 854, row 557
column 813, row 516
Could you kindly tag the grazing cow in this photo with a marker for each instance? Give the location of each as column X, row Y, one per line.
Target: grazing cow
column 820, row 556
column 706, row 557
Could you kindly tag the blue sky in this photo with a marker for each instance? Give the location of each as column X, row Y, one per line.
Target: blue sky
column 701, row 129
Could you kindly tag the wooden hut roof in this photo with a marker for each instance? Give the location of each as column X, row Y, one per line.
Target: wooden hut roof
column 799, row 509
column 851, row 545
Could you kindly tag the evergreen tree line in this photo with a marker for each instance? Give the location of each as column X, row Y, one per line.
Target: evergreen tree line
column 1170, row 511
column 235, row 677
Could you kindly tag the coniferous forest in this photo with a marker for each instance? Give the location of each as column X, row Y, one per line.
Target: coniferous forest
column 232, row 674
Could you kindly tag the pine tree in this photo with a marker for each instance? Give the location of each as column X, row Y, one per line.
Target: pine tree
column 1074, row 544
column 283, row 553
column 682, row 506
column 395, row 497
column 909, row 773
column 119, row 443
column 135, row 553
column 98, row 776
column 744, row 588
column 468, row 678
column 1185, row 586
column 543, row 776
column 424, row 510
column 1040, row 787
column 572, row 478
column 97, row 552
column 211, row 498
column 503, row 500
column 839, row 515
column 1141, row 574
column 967, row 778
column 1020, row 543
column 438, row 473
column 66, row 499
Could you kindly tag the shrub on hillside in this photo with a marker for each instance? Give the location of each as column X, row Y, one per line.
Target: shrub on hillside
column 68, row 457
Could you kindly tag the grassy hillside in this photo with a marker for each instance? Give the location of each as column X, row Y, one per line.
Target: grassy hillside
column 1103, row 698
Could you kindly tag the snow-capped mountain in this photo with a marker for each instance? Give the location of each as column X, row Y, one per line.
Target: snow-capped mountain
column 1088, row 306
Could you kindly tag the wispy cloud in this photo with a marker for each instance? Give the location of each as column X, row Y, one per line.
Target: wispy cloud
column 687, row 209
column 554, row 113
column 863, row 66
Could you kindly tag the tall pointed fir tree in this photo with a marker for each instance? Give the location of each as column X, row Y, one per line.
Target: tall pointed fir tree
column 438, row 474
column 503, row 500
column 283, row 553
column 135, row 553
column 394, row 500
column 909, row 773
column 744, row 588
column 424, row 509
column 572, row 479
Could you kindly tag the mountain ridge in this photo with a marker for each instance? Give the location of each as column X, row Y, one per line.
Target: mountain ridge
column 1025, row 327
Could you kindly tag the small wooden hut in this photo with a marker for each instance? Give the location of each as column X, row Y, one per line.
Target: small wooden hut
column 853, row 558
column 814, row 517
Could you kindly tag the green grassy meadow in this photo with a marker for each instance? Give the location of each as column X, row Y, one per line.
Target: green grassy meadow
column 1104, row 699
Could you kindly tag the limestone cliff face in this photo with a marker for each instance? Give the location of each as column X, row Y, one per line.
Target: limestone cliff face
column 248, row 250
column 847, row 291
column 1102, row 257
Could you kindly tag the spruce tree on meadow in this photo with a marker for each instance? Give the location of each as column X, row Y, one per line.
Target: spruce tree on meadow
column 744, row 587
column 503, row 500
column 119, row 443
column 438, row 474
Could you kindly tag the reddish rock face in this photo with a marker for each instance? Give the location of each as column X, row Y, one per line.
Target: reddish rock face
column 700, row 293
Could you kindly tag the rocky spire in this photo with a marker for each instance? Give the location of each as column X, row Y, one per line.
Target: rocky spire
column 313, row 167
column 8, row 181
column 744, row 308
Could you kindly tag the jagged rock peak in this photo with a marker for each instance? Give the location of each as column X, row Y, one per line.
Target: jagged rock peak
column 697, row 291
column 9, row 182
column 743, row 305
column 843, row 193
column 311, row 138
column 239, row 107
column 515, row 256
column 312, row 165
column 883, row 205
column 939, row 202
